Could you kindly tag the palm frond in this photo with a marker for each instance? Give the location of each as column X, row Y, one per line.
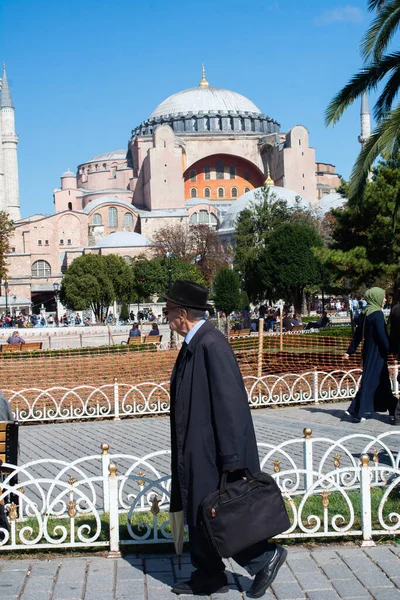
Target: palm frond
column 383, row 27
column 376, row 4
column 384, row 140
column 366, row 80
column 387, row 96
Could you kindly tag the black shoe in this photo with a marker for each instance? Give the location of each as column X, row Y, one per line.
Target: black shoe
column 267, row 575
column 396, row 422
column 198, row 586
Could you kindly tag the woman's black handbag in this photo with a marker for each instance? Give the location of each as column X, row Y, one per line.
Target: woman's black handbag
column 243, row 512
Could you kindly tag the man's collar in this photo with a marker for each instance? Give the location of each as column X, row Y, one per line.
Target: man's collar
column 192, row 331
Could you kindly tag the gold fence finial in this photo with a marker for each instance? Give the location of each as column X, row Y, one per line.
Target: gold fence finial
column 112, row 468
column 307, row 432
column 104, row 448
column 365, row 460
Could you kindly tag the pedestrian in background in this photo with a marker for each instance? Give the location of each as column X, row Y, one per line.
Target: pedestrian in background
column 375, row 392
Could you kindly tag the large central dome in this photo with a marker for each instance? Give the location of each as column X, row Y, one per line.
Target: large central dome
column 208, row 110
column 206, row 100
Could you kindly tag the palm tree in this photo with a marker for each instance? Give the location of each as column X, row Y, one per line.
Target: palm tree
column 385, row 139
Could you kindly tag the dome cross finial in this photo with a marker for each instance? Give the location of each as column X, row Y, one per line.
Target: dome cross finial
column 269, row 182
column 203, row 83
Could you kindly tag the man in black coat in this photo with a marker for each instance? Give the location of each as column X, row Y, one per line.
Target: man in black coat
column 211, row 432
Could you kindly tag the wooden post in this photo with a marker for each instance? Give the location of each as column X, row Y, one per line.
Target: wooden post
column 260, row 346
column 280, row 328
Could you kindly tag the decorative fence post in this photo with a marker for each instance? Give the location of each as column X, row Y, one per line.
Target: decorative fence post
column 308, row 458
column 260, row 346
column 114, row 521
column 105, row 463
column 395, row 381
column 365, row 489
column 116, row 400
column 315, row 385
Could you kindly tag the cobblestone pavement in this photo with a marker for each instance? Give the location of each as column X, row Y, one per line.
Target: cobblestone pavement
column 140, row 436
column 325, row 573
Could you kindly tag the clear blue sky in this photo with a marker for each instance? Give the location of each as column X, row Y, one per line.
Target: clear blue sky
column 83, row 73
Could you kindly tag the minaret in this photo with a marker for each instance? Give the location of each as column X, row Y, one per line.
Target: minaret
column 2, row 178
column 365, row 118
column 9, row 145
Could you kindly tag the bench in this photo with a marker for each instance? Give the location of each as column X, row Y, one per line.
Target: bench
column 134, row 340
column 27, row 347
column 9, row 453
column 152, row 339
column 236, row 332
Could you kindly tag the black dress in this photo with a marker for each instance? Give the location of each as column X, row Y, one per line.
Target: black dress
column 375, row 393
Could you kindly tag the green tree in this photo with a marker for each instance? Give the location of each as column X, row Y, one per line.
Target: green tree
column 379, row 65
column 364, row 246
column 255, row 243
column 95, row 281
column 289, row 262
column 150, row 276
column 226, row 292
column 6, row 230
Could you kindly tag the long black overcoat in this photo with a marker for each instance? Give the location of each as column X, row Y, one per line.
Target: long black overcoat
column 375, row 392
column 211, row 424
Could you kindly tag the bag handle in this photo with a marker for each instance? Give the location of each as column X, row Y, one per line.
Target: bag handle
column 222, row 485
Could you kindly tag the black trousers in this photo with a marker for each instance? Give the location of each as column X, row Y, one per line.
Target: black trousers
column 208, row 562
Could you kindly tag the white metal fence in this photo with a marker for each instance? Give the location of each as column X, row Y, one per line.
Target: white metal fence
column 333, row 488
column 148, row 398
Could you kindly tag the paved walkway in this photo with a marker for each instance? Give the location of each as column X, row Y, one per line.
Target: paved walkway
column 330, row 573
column 140, row 436
column 325, row 573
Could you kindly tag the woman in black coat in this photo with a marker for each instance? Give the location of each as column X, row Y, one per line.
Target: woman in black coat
column 375, row 393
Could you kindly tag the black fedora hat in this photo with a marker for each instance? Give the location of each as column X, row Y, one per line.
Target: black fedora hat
column 189, row 295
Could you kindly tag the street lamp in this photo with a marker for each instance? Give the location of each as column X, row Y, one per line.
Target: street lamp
column 169, row 256
column 6, row 292
column 56, row 287
column 15, row 308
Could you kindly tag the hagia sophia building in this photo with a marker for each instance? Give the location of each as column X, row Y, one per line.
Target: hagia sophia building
column 199, row 158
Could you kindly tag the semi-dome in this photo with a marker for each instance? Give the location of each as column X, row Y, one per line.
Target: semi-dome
column 67, row 174
column 329, row 201
column 123, row 239
column 256, row 196
column 114, row 155
column 206, row 100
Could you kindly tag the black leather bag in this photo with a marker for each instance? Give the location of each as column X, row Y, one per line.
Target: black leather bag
column 243, row 512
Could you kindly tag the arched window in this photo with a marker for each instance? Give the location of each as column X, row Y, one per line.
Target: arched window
column 207, row 193
column 193, row 176
column 207, row 172
column 193, row 193
column 246, row 190
column 112, row 217
column 234, row 192
column 213, row 220
column 247, row 175
column 232, row 172
column 203, row 217
column 221, row 193
column 220, row 169
column 193, row 219
column 128, row 220
column 69, row 205
column 97, row 220
column 41, row 268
